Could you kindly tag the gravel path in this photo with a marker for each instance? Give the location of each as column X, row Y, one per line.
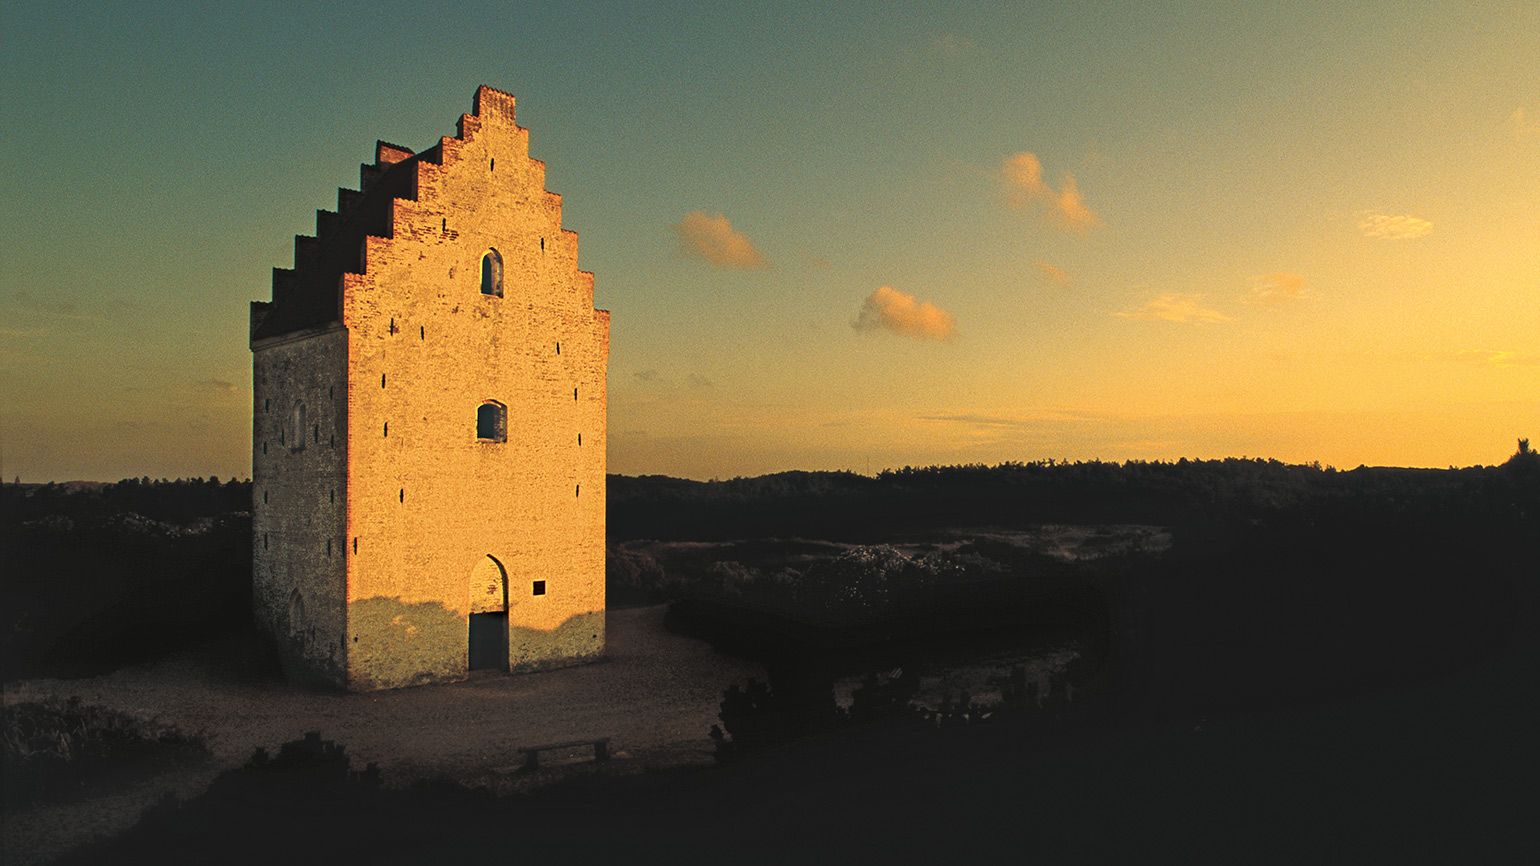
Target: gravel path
column 655, row 695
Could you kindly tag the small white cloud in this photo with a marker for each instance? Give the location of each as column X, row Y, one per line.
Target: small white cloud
column 902, row 313
column 1175, row 307
column 1069, row 206
column 713, row 239
column 1394, row 227
column 1021, row 176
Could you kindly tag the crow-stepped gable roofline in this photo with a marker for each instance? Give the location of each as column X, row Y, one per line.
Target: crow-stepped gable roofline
column 308, row 295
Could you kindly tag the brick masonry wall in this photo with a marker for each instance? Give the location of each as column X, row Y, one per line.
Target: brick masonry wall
column 298, row 496
column 427, row 502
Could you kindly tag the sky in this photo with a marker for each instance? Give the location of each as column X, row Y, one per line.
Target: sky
column 831, row 236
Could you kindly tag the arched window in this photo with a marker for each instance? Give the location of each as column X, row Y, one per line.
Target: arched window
column 492, row 273
column 297, row 427
column 492, row 422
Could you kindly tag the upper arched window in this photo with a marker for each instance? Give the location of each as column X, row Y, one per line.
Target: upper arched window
column 492, row 422
column 492, row 273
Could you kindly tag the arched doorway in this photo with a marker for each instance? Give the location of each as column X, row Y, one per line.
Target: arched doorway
column 488, row 637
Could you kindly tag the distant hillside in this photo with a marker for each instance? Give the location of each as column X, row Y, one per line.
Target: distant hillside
column 896, row 503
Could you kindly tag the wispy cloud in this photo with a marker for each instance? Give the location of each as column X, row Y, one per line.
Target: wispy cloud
column 696, row 380
column 1033, row 419
column 53, row 307
column 1523, row 126
column 1494, row 358
column 1393, row 227
column 1175, row 307
column 1054, row 273
column 646, row 375
column 1021, row 176
column 1277, row 288
column 950, row 46
column 902, row 313
column 713, row 239
column 214, row 386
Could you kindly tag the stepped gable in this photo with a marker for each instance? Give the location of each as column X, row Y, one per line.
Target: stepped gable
column 310, row 294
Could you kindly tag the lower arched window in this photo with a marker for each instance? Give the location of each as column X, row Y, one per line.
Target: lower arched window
column 492, row 422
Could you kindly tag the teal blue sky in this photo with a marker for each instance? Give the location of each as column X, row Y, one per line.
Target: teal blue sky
column 162, row 156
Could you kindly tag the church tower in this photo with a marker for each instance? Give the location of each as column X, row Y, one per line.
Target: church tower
column 428, row 438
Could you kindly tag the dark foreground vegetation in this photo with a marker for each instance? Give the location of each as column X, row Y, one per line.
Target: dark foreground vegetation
column 1301, row 665
column 56, row 751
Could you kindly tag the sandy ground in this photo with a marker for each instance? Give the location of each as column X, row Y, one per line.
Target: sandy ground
column 655, row 695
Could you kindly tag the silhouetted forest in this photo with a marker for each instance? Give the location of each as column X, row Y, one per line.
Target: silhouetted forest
column 898, row 503
column 101, row 575
column 98, row 575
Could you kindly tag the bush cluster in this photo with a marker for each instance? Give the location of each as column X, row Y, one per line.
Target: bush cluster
column 52, row 750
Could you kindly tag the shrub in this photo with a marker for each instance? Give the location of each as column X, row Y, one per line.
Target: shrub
column 53, row 750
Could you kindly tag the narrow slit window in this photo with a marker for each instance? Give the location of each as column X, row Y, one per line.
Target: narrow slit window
column 492, row 422
column 297, row 435
column 492, row 273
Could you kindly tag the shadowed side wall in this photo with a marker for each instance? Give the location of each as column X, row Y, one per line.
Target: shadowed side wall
column 428, row 501
column 298, row 501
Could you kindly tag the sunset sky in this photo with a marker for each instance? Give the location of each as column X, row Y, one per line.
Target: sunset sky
column 831, row 235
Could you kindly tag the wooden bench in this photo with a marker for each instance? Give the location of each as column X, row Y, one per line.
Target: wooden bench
column 532, row 753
